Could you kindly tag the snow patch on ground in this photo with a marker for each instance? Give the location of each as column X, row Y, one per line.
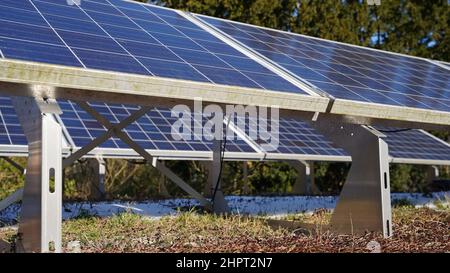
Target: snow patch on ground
column 244, row 205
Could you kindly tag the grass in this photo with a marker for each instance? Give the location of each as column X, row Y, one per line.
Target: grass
column 415, row 230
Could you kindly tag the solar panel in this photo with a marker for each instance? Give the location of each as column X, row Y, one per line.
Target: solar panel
column 295, row 137
column 115, row 35
column 415, row 144
column 11, row 132
column 348, row 72
column 152, row 131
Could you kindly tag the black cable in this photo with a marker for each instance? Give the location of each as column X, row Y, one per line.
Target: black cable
column 137, row 161
column 222, row 156
column 394, row 131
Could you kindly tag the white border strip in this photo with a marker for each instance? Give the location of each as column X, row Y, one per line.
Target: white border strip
column 435, row 138
column 441, row 64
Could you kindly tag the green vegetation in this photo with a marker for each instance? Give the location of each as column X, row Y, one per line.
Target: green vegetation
column 416, row 230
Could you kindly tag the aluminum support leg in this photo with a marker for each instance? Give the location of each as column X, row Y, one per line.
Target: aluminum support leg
column 162, row 188
column 208, row 184
column 364, row 203
column 304, row 182
column 245, row 177
column 96, row 186
column 432, row 174
column 40, row 219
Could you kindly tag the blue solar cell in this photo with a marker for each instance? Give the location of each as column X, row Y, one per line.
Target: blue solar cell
column 11, row 132
column 110, row 61
column 37, row 52
column 22, row 16
column 29, row 33
column 26, row 5
column 149, row 50
column 381, row 76
column 75, row 25
column 176, row 70
column 59, row 8
column 85, row 41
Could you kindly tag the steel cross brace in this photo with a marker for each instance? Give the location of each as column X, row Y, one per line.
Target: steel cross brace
column 364, row 203
column 142, row 152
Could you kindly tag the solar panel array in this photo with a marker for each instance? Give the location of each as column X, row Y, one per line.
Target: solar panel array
column 348, row 72
column 114, row 35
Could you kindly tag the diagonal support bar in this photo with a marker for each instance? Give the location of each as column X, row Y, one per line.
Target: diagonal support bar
column 11, row 199
column 14, row 164
column 107, row 135
column 142, row 152
column 364, row 203
column 41, row 216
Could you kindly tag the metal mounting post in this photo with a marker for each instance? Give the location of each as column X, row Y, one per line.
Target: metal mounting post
column 364, row 203
column 304, row 183
column 162, row 188
column 246, row 187
column 432, row 174
column 97, row 185
column 220, row 205
column 40, row 220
